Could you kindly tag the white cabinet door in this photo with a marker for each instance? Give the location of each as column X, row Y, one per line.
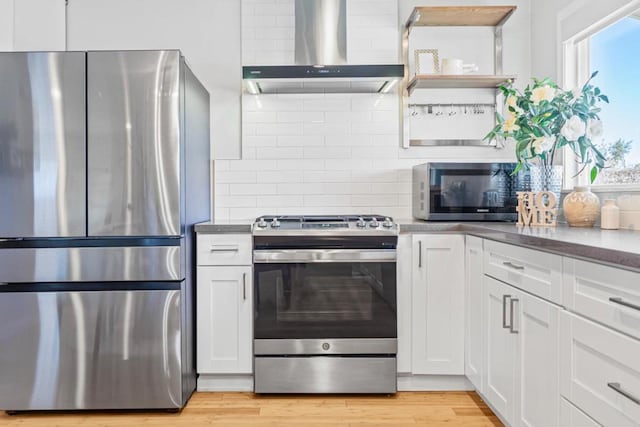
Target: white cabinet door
column 474, row 330
column 438, row 304
column 538, row 330
column 224, row 320
column 501, row 346
column 404, row 303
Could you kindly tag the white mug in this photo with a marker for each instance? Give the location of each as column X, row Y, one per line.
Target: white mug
column 455, row 66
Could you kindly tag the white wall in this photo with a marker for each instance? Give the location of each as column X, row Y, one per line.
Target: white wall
column 32, row 25
column 340, row 153
column 207, row 32
column 555, row 21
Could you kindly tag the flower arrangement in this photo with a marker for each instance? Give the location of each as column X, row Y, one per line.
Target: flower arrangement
column 544, row 118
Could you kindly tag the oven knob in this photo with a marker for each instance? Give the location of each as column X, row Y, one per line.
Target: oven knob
column 275, row 223
column 361, row 223
column 374, row 223
column 387, row 223
column 326, row 346
column 262, row 223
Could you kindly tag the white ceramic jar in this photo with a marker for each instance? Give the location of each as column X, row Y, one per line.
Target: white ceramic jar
column 610, row 215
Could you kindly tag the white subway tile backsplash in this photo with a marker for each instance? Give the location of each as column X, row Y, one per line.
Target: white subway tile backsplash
column 278, row 201
column 327, row 103
column 301, row 117
column 326, row 128
column 279, row 153
column 260, row 141
column 300, row 188
column 279, row 129
column 327, row 176
column 220, row 189
column 251, row 189
column 327, row 200
column 372, row 200
column 225, row 177
column 326, row 152
column 236, row 201
column 300, row 141
column 301, row 165
column 259, row 117
column 279, row 176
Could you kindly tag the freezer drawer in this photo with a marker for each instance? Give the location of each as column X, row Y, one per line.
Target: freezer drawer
column 42, row 144
column 91, row 349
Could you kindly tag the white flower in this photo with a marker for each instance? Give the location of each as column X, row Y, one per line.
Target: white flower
column 573, row 129
column 594, row 128
column 542, row 144
column 509, row 124
column 542, row 93
column 512, row 102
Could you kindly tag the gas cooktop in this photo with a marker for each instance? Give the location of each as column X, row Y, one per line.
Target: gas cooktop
column 324, row 224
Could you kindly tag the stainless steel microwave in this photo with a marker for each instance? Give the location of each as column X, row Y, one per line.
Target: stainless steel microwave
column 467, row 191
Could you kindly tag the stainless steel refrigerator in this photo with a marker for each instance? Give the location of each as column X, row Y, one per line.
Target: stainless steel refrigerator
column 104, row 169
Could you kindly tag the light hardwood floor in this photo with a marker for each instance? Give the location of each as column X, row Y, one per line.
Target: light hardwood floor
column 431, row 409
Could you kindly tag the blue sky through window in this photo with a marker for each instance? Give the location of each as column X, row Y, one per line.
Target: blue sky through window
column 615, row 53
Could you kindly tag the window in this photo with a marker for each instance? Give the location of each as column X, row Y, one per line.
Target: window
column 615, row 53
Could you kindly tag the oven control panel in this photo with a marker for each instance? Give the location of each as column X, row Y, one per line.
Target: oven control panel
column 348, row 224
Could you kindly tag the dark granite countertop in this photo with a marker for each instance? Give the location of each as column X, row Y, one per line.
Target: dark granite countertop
column 620, row 248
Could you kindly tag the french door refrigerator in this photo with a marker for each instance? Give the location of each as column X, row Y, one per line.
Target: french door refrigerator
column 104, row 169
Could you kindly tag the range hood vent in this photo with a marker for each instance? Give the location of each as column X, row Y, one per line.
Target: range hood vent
column 322, row 78
column 321, row 58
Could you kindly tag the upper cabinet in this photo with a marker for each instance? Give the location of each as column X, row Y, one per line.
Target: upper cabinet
column 473, row 59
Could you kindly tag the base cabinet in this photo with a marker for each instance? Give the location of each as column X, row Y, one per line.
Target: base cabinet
column 438, row 305
column 224, row 320
column 521, row 380
column 474, row 330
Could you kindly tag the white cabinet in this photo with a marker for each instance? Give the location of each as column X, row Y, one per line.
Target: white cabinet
column 501, row 346
column 224, row 304
column 438, row 304
column 522, row 356
column 601, row 371
column 474, row 328
column 224, row 321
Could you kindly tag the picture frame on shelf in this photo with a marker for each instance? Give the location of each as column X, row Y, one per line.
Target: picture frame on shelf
column 427, row 61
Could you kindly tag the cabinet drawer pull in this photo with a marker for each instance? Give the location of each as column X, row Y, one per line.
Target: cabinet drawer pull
column 620, row 301
column 504, row 311
column 618, row 388
column 419, row 253
column 512, row 329
column 244, row 286
column 224, row 248
column 514, row 266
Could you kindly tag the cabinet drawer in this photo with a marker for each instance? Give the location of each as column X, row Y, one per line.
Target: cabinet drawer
column 605, row 294
column 538, row 273
column 570, row 416
column 600, row 371
column 224, row 249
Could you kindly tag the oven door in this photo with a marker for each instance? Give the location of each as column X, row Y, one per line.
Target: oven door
column 325, row 293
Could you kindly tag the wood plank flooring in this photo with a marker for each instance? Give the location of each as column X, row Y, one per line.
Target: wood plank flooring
column 431, row 409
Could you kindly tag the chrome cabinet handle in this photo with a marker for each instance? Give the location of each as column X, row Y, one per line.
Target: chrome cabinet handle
column 620, row 301
column 514, row 266
column 511, row 311
column 618, row 388
column 244, row 286
column 224, row 248
column 419, row 253
column 504, row 311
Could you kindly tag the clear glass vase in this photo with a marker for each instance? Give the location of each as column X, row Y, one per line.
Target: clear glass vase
column 546, row 178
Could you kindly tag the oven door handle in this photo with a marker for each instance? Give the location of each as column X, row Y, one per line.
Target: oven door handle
column 324, row 255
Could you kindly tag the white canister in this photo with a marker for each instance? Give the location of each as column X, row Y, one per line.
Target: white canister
column 610, row 215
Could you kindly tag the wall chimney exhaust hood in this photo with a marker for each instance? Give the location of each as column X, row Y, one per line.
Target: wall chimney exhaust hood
column 321, row 58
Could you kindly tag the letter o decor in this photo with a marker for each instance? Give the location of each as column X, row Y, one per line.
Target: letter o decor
column 537, row 208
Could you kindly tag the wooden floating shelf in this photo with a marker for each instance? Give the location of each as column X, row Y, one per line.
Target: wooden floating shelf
column 477, row 16
column 466, row 81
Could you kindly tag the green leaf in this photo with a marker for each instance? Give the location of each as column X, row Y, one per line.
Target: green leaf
column 594, row 174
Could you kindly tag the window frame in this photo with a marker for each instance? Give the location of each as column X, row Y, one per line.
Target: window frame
column 575, row 71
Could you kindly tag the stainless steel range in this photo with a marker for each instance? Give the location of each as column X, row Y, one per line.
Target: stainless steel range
column 325, row 304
